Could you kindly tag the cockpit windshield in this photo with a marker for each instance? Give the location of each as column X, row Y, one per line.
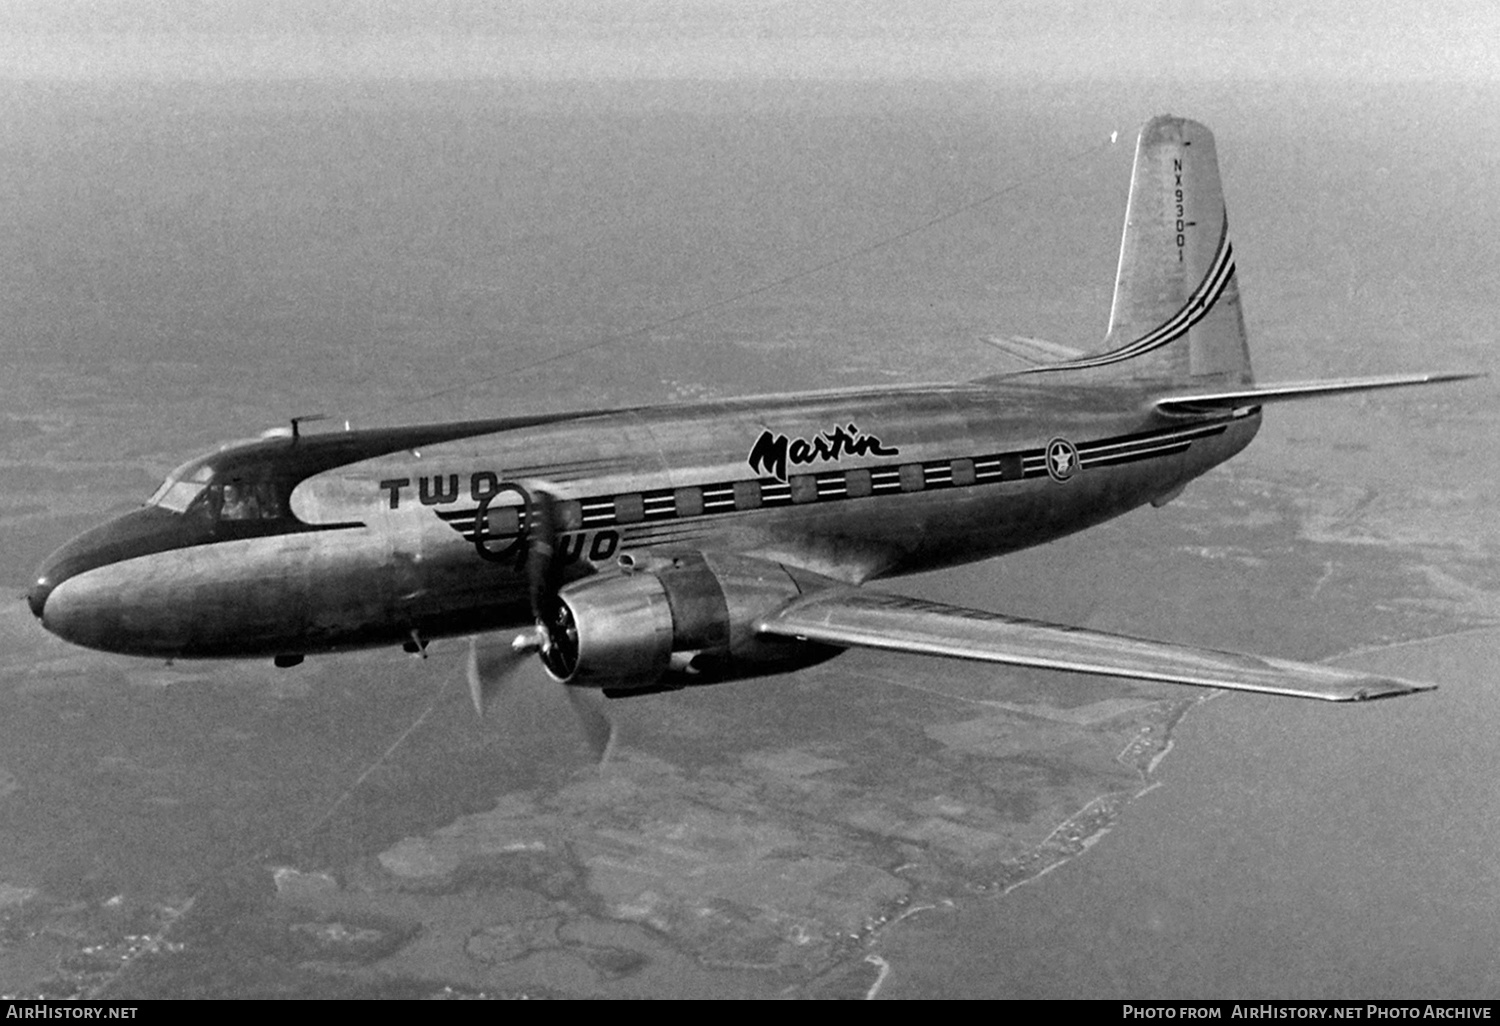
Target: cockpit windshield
column 242, row 493
column 182, row 486
column 236, row 488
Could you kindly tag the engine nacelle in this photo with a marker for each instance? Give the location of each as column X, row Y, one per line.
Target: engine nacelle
column 673, row 622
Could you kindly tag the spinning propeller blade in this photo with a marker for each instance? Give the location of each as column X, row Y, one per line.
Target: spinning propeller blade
column 542, row 566
column 492, row 670
column 495, row 666
column 598, row 729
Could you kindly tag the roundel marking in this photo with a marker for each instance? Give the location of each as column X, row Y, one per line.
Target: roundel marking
column 1062, row 459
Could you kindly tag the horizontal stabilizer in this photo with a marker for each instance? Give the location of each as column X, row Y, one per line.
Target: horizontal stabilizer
column 1190, row 404
column 854, row 617
column 1036, row 351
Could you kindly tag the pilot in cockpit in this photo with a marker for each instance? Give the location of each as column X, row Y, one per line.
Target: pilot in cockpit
column 240, row 502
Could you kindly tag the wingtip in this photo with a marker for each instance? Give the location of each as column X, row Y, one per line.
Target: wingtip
column 1457, row 376
column 1388, row 688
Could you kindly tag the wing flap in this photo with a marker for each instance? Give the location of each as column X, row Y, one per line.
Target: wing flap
column 853, row 617
column 1203, row 402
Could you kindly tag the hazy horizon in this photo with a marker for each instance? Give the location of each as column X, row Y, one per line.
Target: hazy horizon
column 736, row 40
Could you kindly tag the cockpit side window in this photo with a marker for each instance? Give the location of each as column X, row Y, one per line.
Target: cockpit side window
column 241, row 499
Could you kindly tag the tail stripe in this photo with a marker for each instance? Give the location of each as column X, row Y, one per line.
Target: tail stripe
column 1194, row 310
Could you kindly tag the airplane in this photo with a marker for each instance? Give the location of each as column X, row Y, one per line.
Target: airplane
column 650, row 548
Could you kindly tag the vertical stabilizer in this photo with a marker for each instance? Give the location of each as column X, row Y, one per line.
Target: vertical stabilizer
column 1176, row 313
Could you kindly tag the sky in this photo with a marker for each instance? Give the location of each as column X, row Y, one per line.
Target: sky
column 1444, row 40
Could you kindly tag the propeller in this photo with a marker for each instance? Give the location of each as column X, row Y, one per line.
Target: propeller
column 491, row 670
column 494, row 666
column 598, row 729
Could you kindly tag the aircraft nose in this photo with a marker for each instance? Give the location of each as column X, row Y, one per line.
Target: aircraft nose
column 126, row 537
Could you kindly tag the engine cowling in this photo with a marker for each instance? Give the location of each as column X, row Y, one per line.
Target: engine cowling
column 673, row 622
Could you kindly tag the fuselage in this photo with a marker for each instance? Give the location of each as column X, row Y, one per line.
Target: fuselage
column 291, row 545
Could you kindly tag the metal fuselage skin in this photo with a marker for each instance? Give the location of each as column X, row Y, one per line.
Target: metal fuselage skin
column 374, row 537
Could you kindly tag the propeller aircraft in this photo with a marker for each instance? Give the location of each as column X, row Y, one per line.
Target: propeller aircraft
column 641, row 549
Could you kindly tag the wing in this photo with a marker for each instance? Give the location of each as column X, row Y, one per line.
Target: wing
column 854, row 617
column 1203, row 402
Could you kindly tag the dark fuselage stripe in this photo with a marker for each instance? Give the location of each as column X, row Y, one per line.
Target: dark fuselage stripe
column 720, row 498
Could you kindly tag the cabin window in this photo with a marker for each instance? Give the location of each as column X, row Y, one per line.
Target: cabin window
column 804, row 488
column 503, row 521
column 629, row 509
column 1011, row 467
column 747, row 495
column 858, row 483
column 912, row 478
column 963, row 473
column 689, row 502
column 569, row 515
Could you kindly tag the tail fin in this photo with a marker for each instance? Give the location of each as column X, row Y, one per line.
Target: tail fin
column 1176, row 325
column 1176, row 314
